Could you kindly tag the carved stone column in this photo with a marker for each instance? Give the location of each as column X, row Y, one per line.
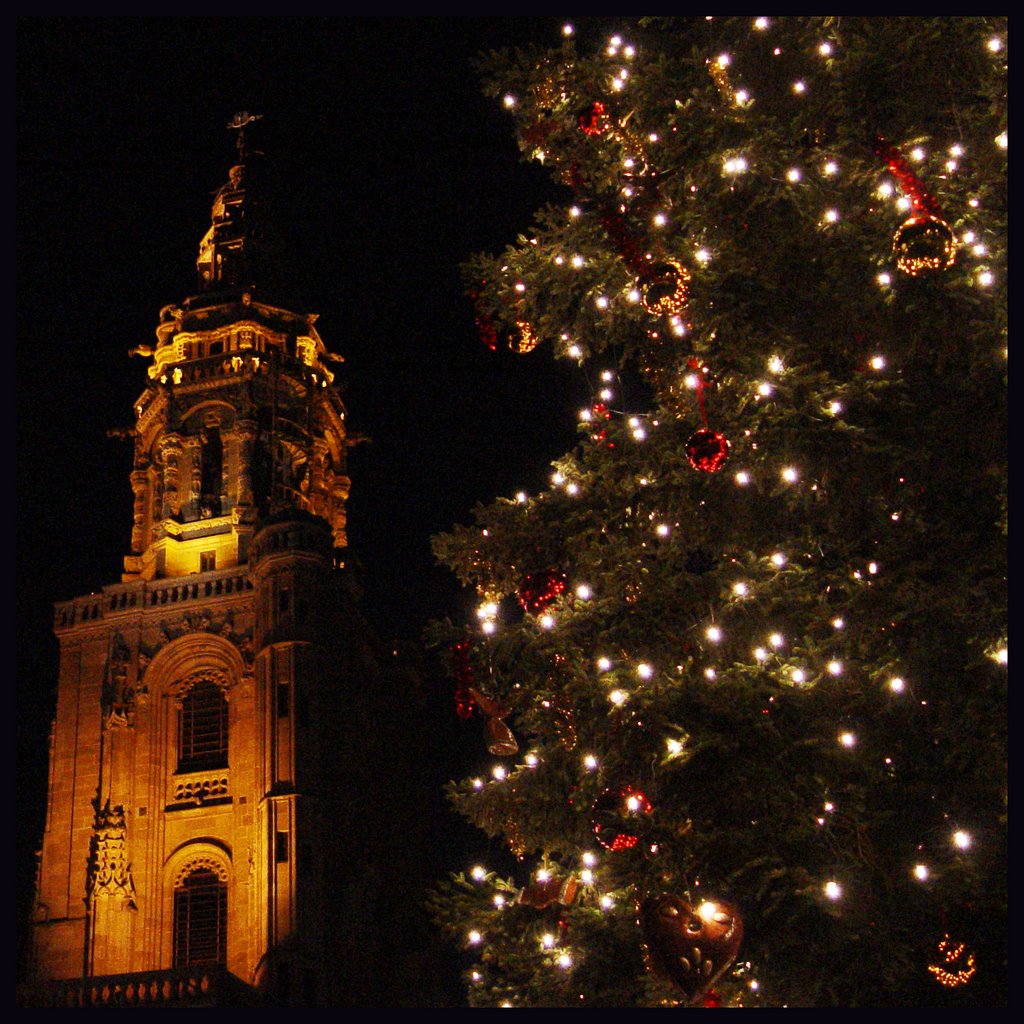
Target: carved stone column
column 140, row 489
column 170, row 449
column 245, row 432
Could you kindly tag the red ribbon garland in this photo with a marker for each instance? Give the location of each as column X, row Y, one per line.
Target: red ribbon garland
column 920, row 200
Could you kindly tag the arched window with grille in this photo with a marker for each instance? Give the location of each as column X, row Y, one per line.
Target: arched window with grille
column 200, row 919
column 203, row 729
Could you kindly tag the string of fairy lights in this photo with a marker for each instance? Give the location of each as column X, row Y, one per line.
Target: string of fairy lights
column 623, row 676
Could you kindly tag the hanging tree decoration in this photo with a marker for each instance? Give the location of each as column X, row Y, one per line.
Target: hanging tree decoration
column 593, row 119
column 539, row 589
column 924, row 242
column 956, row 964
column 665, row 288
column 690, row 947
column 706, row 449
column 614, row 817
column 500, row 740
column 524, row 339
column 463, row 672
column 541, row 895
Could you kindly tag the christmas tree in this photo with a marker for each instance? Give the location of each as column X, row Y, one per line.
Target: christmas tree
column 741, row 666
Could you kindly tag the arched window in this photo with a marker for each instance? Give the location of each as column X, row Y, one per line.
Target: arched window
column 200, row 919
column 203, row 729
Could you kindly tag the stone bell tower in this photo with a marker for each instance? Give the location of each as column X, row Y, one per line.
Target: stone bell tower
column 199, row 761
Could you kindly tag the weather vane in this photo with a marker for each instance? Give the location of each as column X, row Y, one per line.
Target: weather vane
column 238, row 123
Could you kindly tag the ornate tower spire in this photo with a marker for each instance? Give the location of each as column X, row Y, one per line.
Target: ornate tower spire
column 240, row 421
column 230, row 249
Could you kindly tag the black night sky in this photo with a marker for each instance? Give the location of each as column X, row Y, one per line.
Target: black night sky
column 394, row 168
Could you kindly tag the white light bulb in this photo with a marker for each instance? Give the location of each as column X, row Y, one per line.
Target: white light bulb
column 835, row 407
column 799, row 87
column 474, row 938
column 917, row 153
column 847, row 739
column 962, row 840
column 603, row 664
column 590, row 762
column 884, row 279
column 742, row 478
column 921, row 872
column 583, row 592
column 833, row 890
column 825, row 49
column 830, row 168
column 877, row 363
column 498, row 771
column 835, row 668
column 607, row 902
column 1001, row 141
column 885, row 189
column 838, row 623
column 897, row 685
column 798, row 675
column 710, row 674
column 789, row 474
column 793, row 175
column 761, row 23
column 760, row 654
column 662, row 530
column 478, row 873
column 509, row 101
column 575, row 351
column 776, row 640
column 702, row 256
column 618, row 697
column 740, row 589
column 714, row 634
column 831, row 216
column 764, row 389
column 547, row 621
column 995, row 44
column 644, row 671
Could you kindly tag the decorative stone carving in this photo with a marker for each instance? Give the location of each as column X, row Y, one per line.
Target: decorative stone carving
column 110, row 872
column 118, row 696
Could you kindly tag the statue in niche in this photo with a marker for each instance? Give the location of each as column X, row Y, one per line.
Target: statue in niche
column 117, row 697
column 110, row 872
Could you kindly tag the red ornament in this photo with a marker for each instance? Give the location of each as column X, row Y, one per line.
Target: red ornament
column 500, row 739
column 538, row 590
column 593, row 120
column 541, row 895
column 712, row 999
column 707, row 450
column 613, row 814
column 690, row 948
column 463, row 672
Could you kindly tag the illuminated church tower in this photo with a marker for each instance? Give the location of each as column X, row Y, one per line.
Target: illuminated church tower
column 200, row 754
